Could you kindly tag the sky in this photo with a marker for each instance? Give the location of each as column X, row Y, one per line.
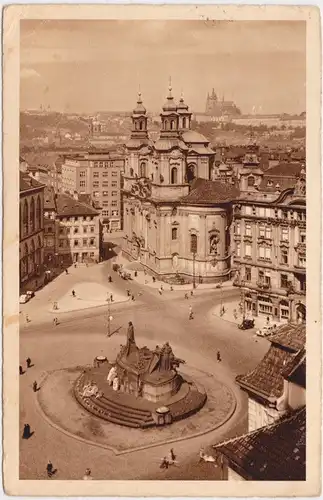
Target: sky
column 88, row 66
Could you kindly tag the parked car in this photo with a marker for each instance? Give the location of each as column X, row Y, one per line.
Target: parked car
column 25, row 297
column 247, row 324
column 266, row 331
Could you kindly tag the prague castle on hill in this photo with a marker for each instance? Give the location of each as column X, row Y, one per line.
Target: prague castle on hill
column 215, row 107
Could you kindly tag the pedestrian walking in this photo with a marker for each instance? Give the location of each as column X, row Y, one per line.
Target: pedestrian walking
column 161, row 287
column 235, row 314
column 160, row 291
column 111, row 297
column 50, row 469
column 172, row 455
column 55, row 322
column 28, row 362
column 66, row 271
column 171, row 288
column 186, row 296
column 110, row 279
column 154, row 279
column 164, row 463
column 128, row 293
column 190, row 315
column 87, row 476
column 21, row 372
column 218, row 356
column 192, row 293
column 27, row 319
column 75, row 265
column 136, row 274
column 73, row 293
column 35, row 387
column 132, row 297
column 268, row 320
column 26, row 432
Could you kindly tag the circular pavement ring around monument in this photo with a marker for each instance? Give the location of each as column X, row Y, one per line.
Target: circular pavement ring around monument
column 58, row 406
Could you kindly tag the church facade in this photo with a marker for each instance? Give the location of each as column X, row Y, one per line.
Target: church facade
column 176, row 217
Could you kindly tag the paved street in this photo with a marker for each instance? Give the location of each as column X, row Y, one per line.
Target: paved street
column 81, row 335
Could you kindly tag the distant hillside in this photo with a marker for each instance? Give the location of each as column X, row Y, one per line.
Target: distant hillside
column 32, row 125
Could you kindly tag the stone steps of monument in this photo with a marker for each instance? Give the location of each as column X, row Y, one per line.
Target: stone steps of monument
column 126, row 411
column 120, row 416
column 140, row 412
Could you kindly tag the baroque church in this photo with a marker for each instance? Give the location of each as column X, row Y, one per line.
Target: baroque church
column 176, row 216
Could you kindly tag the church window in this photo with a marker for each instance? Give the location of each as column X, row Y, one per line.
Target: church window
column 142, row 169
column 174, row 233
column 174, row 175
column 184, row 122
column 251, row 181
column 140, row 125
column 193, row 243
column 172, row 124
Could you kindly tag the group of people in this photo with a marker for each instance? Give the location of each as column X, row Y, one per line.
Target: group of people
column 28, row 365
column 170, row 459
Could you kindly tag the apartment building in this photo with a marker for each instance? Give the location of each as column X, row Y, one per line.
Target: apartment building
column 269, row 242
column 100, row 175
column 78, row 232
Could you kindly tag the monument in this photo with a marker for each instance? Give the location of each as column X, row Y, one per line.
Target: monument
column 141, row 388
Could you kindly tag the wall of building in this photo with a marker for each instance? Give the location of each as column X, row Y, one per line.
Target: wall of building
column 31, row 244
column 234, row 476
column 260, row 415
column 78, row 239
column 269, row 252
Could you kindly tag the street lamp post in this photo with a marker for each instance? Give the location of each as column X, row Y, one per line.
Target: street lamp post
column 109, row 317
column 242, row 298
column 194, row 283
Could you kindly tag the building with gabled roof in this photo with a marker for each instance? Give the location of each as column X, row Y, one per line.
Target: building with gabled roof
column 268, row 397
column 276, row 452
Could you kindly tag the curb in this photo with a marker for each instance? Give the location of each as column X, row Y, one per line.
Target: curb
column 127, row 299
column 138, row 448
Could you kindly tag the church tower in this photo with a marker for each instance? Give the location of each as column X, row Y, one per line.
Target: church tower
column 184, row 116
column 139, row 122
column 169, row 117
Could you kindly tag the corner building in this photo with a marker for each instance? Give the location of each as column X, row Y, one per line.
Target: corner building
column 176, row 219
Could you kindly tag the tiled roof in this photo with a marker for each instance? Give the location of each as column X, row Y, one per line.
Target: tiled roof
column 210, row 192
column 26, row 183
column 295, row 370
column 290, row 336
column 85, row 198
column 276, row 452
column 284, row 174
column 267, row 379
column 69, row 207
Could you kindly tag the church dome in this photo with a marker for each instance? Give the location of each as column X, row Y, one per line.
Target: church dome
column 170, row 104
column 192, row 137
column 140, row 108
column 181, row 105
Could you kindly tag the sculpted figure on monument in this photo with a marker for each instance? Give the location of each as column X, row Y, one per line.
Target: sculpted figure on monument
column 130, row 338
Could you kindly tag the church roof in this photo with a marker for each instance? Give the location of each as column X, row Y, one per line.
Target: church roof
column 191, row 137
column 202, row 150
column 165, row 144
column 210, row 192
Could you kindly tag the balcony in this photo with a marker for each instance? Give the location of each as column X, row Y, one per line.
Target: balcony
column 261, row 285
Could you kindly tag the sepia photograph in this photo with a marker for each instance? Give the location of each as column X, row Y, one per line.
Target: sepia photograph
column 162, row 225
